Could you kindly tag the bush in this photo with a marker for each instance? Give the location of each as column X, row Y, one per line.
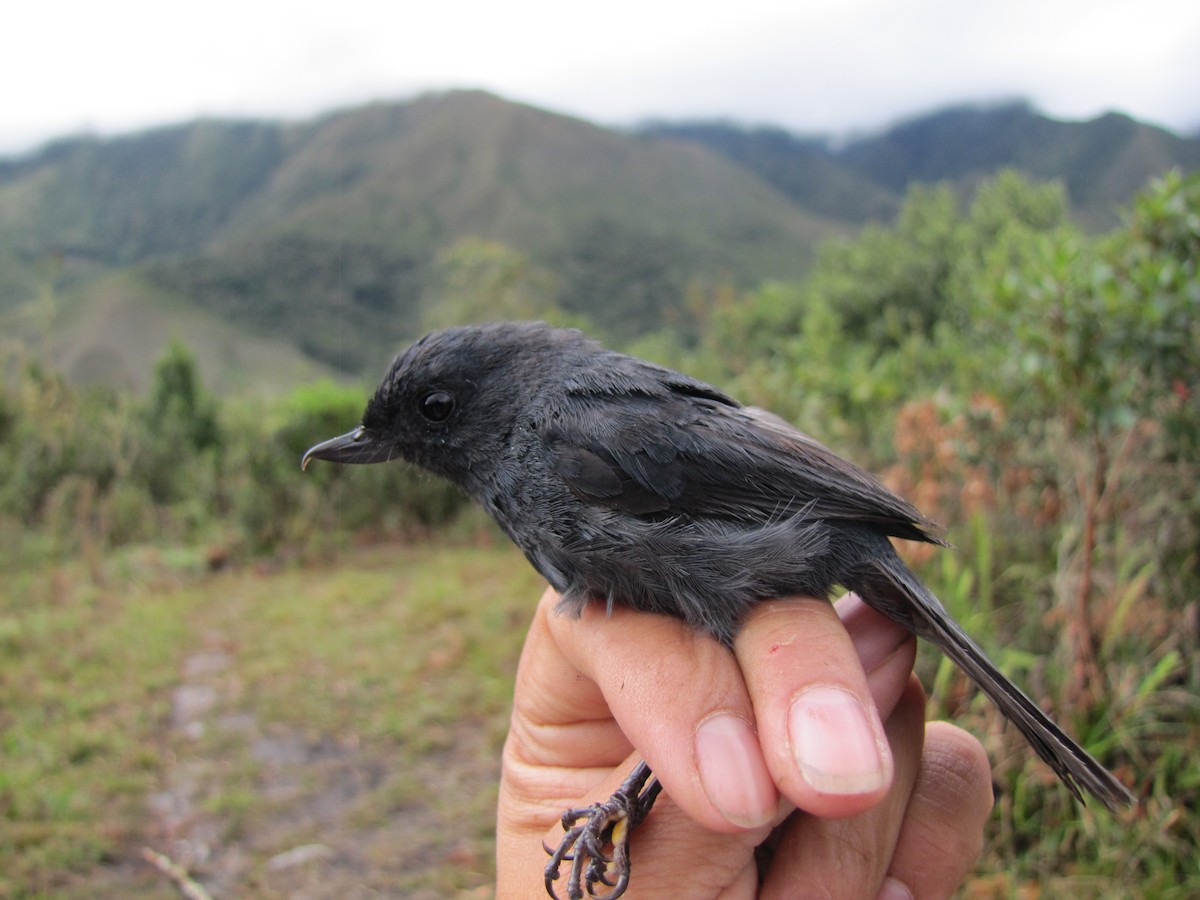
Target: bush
column 278, row 503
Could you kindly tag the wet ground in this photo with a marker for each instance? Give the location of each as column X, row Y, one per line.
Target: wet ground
column 258, row 809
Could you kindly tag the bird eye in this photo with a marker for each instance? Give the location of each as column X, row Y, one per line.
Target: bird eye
column 436, row 406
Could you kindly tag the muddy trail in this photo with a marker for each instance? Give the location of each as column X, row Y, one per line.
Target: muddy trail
column 252, row 808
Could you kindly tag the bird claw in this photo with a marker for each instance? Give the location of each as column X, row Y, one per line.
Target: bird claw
column 590, row 830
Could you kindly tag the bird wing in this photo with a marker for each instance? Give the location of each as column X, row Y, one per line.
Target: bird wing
column 670, row 445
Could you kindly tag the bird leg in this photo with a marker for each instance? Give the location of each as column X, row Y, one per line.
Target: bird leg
column 590, row 830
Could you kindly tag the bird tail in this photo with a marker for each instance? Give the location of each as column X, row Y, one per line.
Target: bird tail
column 887, row 585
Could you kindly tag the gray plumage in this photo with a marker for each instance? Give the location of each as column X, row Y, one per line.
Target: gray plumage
column 627, row 482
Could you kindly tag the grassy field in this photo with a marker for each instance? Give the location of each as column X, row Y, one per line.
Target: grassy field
column 351, row 714
column 334, row 730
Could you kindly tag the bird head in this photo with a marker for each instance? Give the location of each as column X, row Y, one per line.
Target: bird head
column 449, row 402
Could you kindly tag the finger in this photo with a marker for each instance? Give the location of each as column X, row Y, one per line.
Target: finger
column 943, row 827
column 562, row 738
column 562, row 743
column 886, row 651
column 816, row 709
column 674, row 856
column 559, row 710
column 678, row 696
column 561, row 720
column 849, row 856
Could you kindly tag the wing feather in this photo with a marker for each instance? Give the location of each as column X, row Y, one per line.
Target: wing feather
column 670, row 445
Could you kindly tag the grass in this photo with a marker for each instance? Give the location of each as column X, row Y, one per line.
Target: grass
column 1142, row 719
column 359, row 706
column 335, row 730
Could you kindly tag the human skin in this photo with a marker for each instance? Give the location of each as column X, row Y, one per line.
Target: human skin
column 809, row 736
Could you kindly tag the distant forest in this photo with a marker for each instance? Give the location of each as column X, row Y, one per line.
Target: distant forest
column 284, row 251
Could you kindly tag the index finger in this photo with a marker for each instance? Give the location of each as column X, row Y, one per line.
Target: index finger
column 590, row 689
column 817, row 694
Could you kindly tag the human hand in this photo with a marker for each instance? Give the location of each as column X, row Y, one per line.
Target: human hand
column 779, row 743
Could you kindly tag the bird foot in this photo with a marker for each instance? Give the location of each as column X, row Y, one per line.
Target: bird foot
column 592, row 830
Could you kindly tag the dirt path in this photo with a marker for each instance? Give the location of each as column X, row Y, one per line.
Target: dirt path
column 251, row 808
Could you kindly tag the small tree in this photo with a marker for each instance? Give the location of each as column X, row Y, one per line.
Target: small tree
column 179, row 428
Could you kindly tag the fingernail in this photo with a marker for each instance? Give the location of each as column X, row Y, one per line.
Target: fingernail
column 894, row 890
column 732, row 771
column 834, row 743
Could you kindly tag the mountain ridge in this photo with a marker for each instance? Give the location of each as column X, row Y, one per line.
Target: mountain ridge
column 337, row 236
column 1102, row 161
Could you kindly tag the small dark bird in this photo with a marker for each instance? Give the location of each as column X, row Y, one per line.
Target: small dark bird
column 626, row 482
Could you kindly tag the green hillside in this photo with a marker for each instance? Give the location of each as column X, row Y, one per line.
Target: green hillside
column 365, row 202
column 805, row 169
column 1102, row 162
column 323, row 245
column 110, row 329
column 328, row 234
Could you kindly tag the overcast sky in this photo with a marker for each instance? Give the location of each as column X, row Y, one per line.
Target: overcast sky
column 809, row 65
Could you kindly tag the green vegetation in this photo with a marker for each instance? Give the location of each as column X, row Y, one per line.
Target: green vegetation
column 1036, row 390
column 351, row 632
column 226, row 719
column 332, row 234
column 287, row 251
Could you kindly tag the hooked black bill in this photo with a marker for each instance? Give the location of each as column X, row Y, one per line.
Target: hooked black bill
column 357, row 446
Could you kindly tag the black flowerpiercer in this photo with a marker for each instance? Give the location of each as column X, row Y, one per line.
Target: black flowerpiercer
column 625, row 482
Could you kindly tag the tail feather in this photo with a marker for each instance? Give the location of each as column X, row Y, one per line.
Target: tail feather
column 889, row 586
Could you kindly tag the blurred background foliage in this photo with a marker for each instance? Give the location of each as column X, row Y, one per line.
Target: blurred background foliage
column 1033, row 387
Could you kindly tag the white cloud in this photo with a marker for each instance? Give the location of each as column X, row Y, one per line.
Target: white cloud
column 826, row 64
